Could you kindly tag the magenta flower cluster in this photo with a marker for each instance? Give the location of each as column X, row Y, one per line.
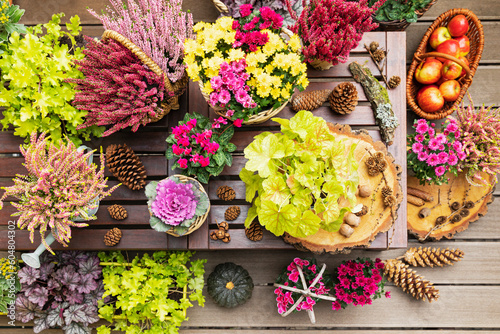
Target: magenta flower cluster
column 230, row 87
column 174, row 202
column 285, row 299
column 358, row 282
column 248, row 33
column 432, row 155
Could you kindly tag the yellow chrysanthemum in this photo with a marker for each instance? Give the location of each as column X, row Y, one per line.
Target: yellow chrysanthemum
column 207, row 88
column 193, row 71
column 199, row 26
column 294, row 43
column 236, row 54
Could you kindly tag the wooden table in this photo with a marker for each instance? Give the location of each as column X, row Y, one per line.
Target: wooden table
column 149, row 143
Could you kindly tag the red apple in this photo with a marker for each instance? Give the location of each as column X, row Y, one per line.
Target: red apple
column 440, row 81
column 450, row 90
column 438, row 36
column 450, row 47
column 466, row 63
column 463, row 42
column 429, row 71
column 458, row 25
column 450, row 70
column 430, row 99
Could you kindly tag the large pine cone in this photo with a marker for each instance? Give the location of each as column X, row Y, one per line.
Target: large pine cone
column 254, row 231
column 310, row 100
column 117, row 212
column 232, row 213
column 344, row 98
column 430, row 257
column 112, row 237
column 124, row 164
column 411, row 282
column 226, row 193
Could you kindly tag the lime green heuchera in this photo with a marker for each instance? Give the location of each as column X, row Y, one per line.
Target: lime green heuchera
column 302, row 174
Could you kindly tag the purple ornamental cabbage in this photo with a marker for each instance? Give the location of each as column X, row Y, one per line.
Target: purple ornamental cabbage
column 174, row 202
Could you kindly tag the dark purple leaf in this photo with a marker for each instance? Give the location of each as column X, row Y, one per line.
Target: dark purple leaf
column 55, row 317
column 74, row 257
column 87, row 284
column 92, row 314
column 28, row 275
column 41, row 322
column 73, row 297
column 76, row 328
column 53, row 284
column 46, row 269
column 25, row 310
column 90, row 267
column 75, row 313
column 93, row 296
column 39, row 295
column 69, row 277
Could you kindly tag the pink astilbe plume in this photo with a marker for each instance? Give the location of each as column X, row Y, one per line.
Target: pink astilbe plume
column 480, row 135
column 60, row 186
column 117, row 89
column 330, row 29
column 158, row 27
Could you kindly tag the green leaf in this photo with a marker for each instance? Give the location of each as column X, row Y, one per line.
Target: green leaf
column 260, row 154
column 151, row 190
column 158, row 225
column 229, row 159
column 74, row 25
column 202, row 205
column 252, row 183
column 219, row 158
column 226, row 136
column 251, row 215
column 231, row 147
column 279, row 219
column 275, row 190
column 203, row 176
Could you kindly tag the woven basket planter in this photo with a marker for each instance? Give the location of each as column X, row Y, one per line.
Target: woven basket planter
column 424, row 50
column 401, row 25
column 178, row 87
column 200, row 220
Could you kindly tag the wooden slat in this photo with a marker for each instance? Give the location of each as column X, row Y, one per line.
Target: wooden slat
column 139, row 141
column 326, row 331
column 484, row 9
column 342, row 70
column 9, row 142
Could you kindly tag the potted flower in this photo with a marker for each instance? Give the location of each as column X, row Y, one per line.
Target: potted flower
column 201, row 148
column 178, row 205
column 61, row 189
column 330, row 29
column 396, row 15
column 247, row 72
column 431, row 155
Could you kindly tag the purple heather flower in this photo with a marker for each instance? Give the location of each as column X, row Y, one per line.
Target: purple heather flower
column 175, row 202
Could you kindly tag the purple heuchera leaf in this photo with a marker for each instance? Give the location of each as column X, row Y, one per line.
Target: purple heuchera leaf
column 174, row 202
column 55, row 317
column 73, row 297
column 87, row 284
column 68, row 277
column 38, row 296
column 25, row 310
column 90, row 267
column 74, row 257
column 46, row 269
column 41, row 322
column 28, row 275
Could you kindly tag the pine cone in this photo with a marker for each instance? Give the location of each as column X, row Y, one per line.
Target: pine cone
column 382, row 165
column 124, row 164
column 379, row 156
column 370, row 162
column 344, row 98
column 363, row 211
column 223, row 226
column 427, row 257
column 310, row 100
column 411, row 282
column 386, row 191
column 117, row 212
column 394, row 81
column 378, row 55
column 374, row 46
column 112, row 237
column 254, row 231
column 390, row 200
column 373, row 171
column 213, row 235
column 232, row 213
column 226, row 193
column 440, row 220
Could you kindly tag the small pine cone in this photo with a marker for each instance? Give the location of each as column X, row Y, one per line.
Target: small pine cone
column 430, row 257
column 117, row 212
column 394, row 81
column 344, row 98
column 456, row 218
column 226, row 239
column 362, row 212
column 455, row 206
column 370, row 162
column 464, row 212
column 386, row 191
column 220, row 233
column 374, row 46
column 226, row 193
column 112, row 237
column 379, row 156
column 382, row 165
column 390, row 200
column 232, row 213
column 310, row 100
column 254, row 231
column 125, row 165
column 374, row 171
column 469, row 204
column 378, row 55
column 411, row 282
column 223, row 226
column 213, row 235
column 440, row 220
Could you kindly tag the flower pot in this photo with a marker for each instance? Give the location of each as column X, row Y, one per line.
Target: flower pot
column 320, row 65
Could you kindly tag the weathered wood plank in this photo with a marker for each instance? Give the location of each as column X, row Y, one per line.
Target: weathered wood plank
column 484, row 9
column 189, row 330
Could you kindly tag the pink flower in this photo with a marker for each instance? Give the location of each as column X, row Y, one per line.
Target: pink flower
column 440, row 170
column 431, row 132
column 421, row 121
column 443, row 157
column 433, row 159
column 205, row 161
column 229, row 113
column 312, row 268
column 214, row 98
column 237, row 122
column 442, row 138
column 212, row 148
column 419, row 138
column 224, row 96
column 177, row 150
column 216, row 82
column 246, row 10
column 387, row 294
column 422, row 128
column 457, row 146
column 224, row 67
column 241, row 95
column 236, row 25
column 187, row 151
column 294, row 276
column 336, row 306
column 434, row 144
column 182, row 163
column 417, row 147
column 377, row 278
column 452, row 127
column 184, row 141
column 462, row 155
column 452, row 159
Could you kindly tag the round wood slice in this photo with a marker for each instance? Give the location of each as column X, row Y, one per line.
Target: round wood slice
column 378, row 219
column 458, row 185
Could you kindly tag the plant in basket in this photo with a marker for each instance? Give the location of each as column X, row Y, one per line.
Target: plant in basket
column 201, row 148
column 306, row 177
column 399, row 10
column 245, row 69
column 330, row 29
column 432, row 155
column 62, row 293
column 358, row 282
column 177, row 204
column 59, row 191
column 9, row 18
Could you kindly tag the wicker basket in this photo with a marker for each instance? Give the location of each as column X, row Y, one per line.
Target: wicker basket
column 401, row 25
column 476, row 38
column 178, row 87
column 200, row 220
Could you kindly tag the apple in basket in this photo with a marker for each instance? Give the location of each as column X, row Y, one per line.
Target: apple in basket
column 450, row 90
column 429, row 71
column 450, row 70
column 458, row 25
column 438, row 36
column 463, row 42
column 450, row 47
column 466, row 63
column 430, row 99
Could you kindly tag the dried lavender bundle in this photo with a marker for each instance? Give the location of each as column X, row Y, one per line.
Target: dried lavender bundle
column 117, row 89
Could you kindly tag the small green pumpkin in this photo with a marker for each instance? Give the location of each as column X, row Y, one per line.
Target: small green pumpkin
column 230, row 285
